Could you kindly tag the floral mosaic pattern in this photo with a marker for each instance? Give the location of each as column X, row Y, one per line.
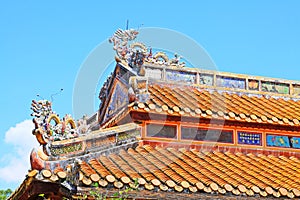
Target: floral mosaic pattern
column 154, row 73
column 66, row 149
column 283, row 141
column 275, row 87
column 253, row 85
column 180, row 76
column 296, row 90
column 231, row 82
column 206, row 79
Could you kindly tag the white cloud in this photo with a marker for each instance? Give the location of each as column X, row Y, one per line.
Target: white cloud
column 19, row 135
column 17, row 161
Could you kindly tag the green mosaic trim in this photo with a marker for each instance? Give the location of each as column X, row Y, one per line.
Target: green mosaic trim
column 126, row 136
column 66, row 149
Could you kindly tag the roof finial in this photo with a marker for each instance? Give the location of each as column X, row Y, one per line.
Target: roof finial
column 52, row 95
column 120, row 40
column 127, row 24
column 38, row 95
column 140, row 26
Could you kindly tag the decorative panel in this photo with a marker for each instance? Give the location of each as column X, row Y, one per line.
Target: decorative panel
column 128, row 136
column 119, row 99
column 231, row 82
column 295, row 142
column 206, row 79
column 249, row 138
column 296, row 90
column 283, row 141
column 278, row 141
column 179, row 76
column 280, row 88
column 101, row 142
column 253, row 84
column 153, row 73
column 66, row 148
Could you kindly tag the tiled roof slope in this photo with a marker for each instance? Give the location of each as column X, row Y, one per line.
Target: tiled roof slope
column 191, row 171
column 209, row 103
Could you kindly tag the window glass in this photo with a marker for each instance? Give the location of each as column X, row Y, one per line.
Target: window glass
column 161, row 130
column 201, row 134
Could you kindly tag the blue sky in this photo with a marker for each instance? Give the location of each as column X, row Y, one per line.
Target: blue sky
column 43, row 44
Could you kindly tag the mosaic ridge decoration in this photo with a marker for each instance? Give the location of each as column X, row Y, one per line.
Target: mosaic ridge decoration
column 153, row 65
column 49, row 127
column 231, row 82
column 181, row 76
column 135, row 54
column 275, row 87
column 66, row 149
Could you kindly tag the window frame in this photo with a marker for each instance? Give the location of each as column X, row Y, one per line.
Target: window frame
column 207, row 129
column 163, row 125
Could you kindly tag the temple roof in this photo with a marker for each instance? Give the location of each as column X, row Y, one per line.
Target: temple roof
column 191, row 170
column 118, row 148
column 204, row 103
column 193, row 101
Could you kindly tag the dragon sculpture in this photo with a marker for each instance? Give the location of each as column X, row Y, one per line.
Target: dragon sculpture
column 136, row 53
column 120, row 40
column 48, row 125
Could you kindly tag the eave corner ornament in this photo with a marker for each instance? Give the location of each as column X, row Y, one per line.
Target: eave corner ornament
column 48, row 126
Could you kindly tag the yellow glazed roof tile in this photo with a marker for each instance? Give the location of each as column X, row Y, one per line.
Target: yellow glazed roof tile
column 190, row 169
column 197, row 102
